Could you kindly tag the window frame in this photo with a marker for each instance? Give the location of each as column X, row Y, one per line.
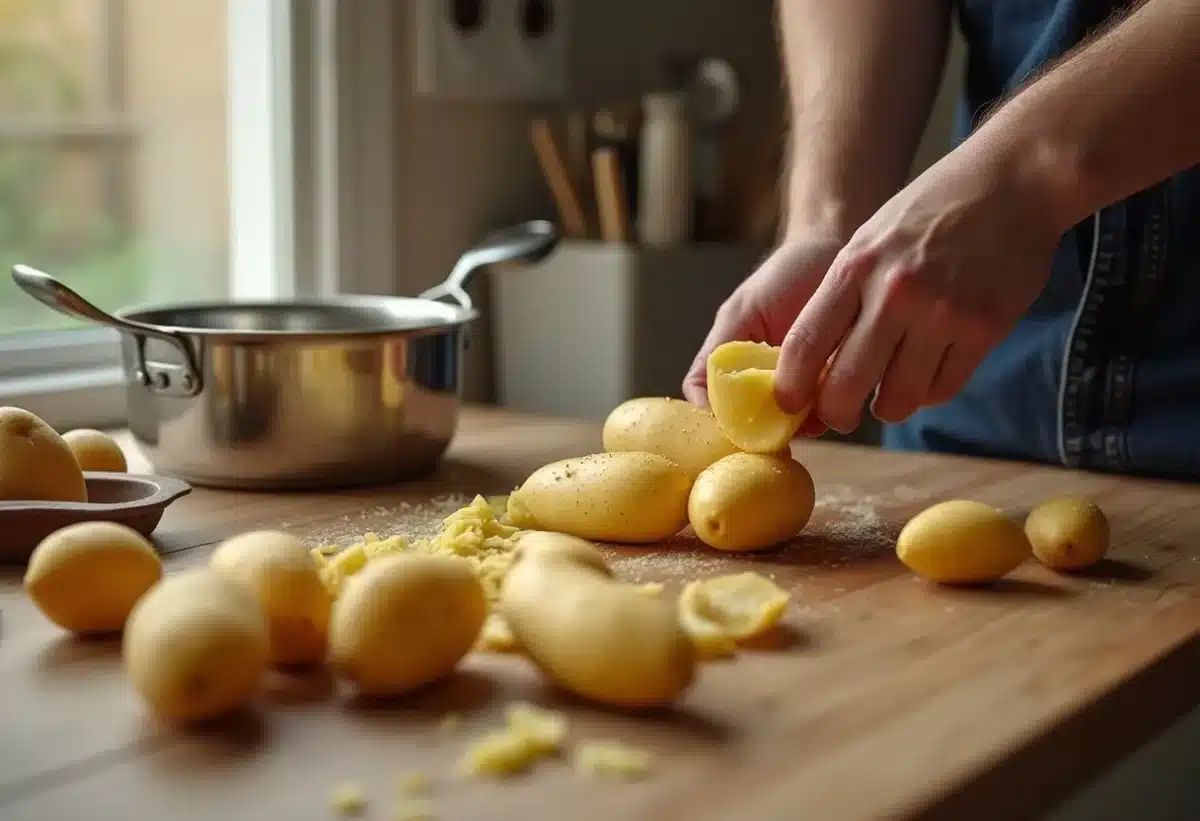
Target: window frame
column 311, row 88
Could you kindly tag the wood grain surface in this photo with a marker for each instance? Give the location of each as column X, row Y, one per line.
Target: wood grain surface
column 884, row 698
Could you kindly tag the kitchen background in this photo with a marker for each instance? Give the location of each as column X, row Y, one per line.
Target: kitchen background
column 114, row 168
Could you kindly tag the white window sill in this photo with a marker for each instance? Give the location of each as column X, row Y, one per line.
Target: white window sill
column 81, row 398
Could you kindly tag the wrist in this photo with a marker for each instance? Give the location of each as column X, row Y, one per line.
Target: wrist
column 1047, row 163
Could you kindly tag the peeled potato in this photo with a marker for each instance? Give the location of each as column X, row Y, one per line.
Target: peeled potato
column 35, row 463
column 628, row 497
column 88, row 576
column 95, row 450
column 750, row 501
column 277, row 570
column 1069, row 533
column 741, row 391
column 196, row 646
column 719, row 613
column 404, row 621
column 686, row 434
column 600, row 638
column 962, row 542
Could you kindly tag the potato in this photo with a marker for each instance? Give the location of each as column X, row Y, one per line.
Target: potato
column 741, row 391
column 628, row 497
column 35, row 463
column 277, row 570
column 686, row 434
column 750, row 501
column 1068, row 533
column 962, row 542
column 88, row 576
column 95, row 450
column 405, row 621
column 196, row 646
column 600, row 638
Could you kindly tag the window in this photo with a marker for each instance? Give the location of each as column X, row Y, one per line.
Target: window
column 171, row 151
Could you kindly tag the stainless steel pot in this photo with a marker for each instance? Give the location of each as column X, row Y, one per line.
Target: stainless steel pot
column 343, row 391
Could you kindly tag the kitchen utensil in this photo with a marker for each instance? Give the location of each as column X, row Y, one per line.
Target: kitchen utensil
column 135, row 501
column 665, row 201
column 713, row 95
column 617, row 128
column 610, row 196
column 558, row 178
column 345, row 390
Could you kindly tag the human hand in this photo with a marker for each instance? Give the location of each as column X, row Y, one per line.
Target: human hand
column 919, row 295
column 764, row 306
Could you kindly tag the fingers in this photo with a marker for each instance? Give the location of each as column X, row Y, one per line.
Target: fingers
column 858, row 366
column 960, row 361
column 817, row 332
column 906, row 382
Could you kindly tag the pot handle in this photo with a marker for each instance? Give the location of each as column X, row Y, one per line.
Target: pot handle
column 527, row 242
column 158, row 377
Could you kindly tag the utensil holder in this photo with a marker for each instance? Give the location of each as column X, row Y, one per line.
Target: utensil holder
column 598, row 323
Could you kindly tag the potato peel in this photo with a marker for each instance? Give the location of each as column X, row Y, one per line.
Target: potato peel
column 722, row 612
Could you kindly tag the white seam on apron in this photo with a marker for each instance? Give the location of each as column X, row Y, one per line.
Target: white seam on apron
column 1062, row 382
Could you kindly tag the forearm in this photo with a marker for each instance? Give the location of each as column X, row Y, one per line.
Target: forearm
column 1116, row 117
column 862, row 76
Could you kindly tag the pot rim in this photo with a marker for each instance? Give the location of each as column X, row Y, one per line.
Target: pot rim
column 452, row 317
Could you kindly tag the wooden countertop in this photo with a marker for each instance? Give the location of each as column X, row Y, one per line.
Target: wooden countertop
column 896, row 698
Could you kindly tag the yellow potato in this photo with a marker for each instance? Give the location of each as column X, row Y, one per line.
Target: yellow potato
column 87, row 577
column 35, row 463
column 750, row 501
column 196, row 646
column 630, row 497
column 1068, row 533
column 277, row 570
column 720, row 612
column 962, row 542
column 741, row 392
column 686, row 434
column 404, row 621
column 95, row 450
column 600, row 638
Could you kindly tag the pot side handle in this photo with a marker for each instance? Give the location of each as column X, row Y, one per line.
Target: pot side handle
column 168, row 379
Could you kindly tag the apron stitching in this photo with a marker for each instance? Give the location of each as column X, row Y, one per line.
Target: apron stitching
column 1070, row 341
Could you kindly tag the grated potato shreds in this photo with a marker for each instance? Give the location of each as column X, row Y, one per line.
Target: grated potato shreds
column 477, row 533
column 611, row 759
column 530, row 733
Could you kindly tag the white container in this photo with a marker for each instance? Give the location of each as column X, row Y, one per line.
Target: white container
column 595, row 324
column 665, row 176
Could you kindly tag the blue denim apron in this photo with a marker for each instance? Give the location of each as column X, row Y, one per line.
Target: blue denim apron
column 1103, row 371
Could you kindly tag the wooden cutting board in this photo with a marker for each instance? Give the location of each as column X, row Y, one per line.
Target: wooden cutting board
column 886, row 697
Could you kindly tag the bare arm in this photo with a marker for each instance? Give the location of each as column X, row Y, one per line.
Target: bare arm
column 1115, row 117
column 862, row 77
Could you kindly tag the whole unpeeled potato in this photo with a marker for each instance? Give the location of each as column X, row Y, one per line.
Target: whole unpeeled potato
column 196, row 646
column 35, row 463
column 404, row 621
column 750, row 501
column 96, row 450
column 598, row 637
column 962, row 542
column 88, row 576
column 741, row 392
column 626, row 496
column 280, row 573
column 686, row 434
column 1068, row 533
